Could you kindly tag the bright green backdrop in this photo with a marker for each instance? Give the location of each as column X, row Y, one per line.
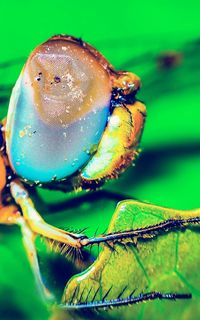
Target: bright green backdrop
column 130, row 34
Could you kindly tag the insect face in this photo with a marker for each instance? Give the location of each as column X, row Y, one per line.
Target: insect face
column 58, row 111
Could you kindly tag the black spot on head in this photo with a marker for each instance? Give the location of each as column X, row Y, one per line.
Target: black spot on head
column 57, row 79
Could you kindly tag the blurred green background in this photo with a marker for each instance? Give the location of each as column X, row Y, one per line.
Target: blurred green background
column 131, row 35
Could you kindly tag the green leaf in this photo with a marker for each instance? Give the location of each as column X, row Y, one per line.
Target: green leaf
column 168, row 263
column 168, row 170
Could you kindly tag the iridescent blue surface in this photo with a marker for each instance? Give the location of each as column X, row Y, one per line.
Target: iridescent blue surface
column 39, row 152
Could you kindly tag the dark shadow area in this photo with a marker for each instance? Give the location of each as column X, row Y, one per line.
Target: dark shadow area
column 11, row 310
column 150, row 164
column 57, row 270
column 77, row 201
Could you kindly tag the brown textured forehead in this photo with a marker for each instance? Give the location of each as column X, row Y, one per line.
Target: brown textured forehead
column 67, row 80
column 86, row 46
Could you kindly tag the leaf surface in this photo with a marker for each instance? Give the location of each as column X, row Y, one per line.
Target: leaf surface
column 167, row 263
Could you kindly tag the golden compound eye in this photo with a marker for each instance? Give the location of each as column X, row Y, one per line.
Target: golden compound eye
column 58, row 110
column 68, row 82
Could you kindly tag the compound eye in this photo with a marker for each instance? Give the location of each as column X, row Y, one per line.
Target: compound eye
column 67, row 82
column 58, row 111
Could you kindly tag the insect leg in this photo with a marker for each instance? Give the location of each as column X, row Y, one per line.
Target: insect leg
column 2, row 174
column 119, row 302
column 8, row 214
column 142, row 233
column 36, row 222
column 28, row 238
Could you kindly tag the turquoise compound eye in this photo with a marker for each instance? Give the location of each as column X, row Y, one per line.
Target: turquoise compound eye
column 58, row 111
